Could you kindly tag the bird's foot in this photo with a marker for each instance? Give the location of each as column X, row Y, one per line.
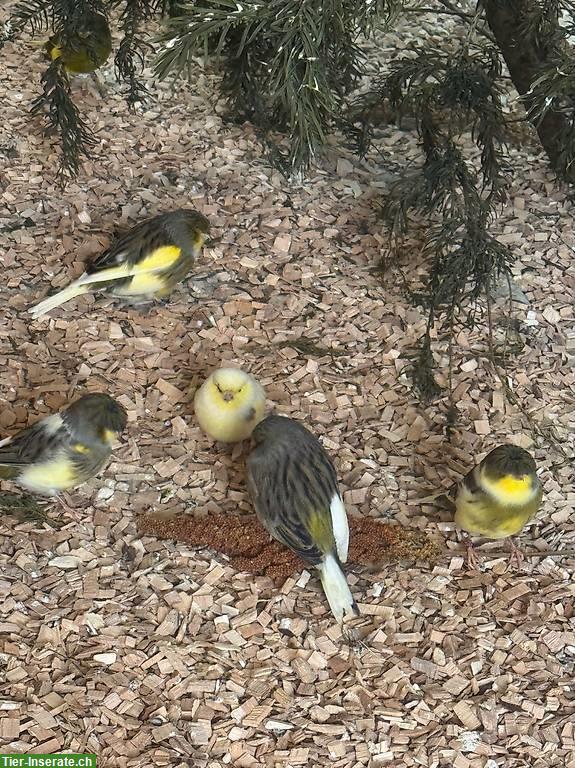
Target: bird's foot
column 471, row 557
column 352, row 639
column 516, row 557
column 65, row 502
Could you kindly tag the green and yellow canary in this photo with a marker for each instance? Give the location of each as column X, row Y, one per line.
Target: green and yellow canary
column 294, row 489
column 144, row 264
column 87, row 49
column 65, row 449
column 229, row 404
column 498, row 497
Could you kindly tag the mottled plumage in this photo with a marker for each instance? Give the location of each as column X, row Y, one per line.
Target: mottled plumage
column 65, row 449
column 294, row 488
column 145, row 263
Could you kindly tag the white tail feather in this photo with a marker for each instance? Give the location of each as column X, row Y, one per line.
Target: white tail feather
column 336, row 589
column 73, row 290
column 340, row 527
column 77, row 288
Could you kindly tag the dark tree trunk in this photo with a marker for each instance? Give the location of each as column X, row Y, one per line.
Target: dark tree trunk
column 525, row 58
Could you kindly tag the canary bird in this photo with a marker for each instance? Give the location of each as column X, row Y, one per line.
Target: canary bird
column 229, row 404
column 294, row 489
column 144, row 264
column 498, row 497
column 65, row 449
column 85, row 50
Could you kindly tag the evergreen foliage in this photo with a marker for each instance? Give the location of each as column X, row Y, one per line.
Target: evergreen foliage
column 62, row 115
column 65, row 18
column 291, row 66
column 550, row 26
column 287, row 64
column 449, row 94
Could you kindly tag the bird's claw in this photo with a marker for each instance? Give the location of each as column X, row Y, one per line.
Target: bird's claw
column 516, row 557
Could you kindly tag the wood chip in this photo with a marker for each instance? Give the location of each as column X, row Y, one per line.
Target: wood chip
column 217, row 648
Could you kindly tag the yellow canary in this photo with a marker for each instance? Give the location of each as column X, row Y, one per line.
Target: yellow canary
column 229, row 404
column 87, row 49
column 144, row 264
column 65, row 449
column 498, row 497
column 293, row 485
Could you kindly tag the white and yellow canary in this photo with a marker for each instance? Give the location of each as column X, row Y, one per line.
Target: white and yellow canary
column 144, row 264
column 293, row 485
column 66, row 449
column 498, row 497
column 229, row 404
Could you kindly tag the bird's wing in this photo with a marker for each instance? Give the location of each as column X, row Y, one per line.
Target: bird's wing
column 134, row 247
column 292, row 492
column 471, row 483
column 35, row 443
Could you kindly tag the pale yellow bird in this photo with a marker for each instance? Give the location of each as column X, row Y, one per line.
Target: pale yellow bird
column 229, row 404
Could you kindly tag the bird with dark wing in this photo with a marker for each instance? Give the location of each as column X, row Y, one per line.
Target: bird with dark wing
column 293, row 485
column 144, row 264
column 87, row 49
column 65, row 449
column 498, row 497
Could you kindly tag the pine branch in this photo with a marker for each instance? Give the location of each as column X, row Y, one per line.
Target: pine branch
column 449, row 95
column 63, row 116
column 27, row 13
column 287, row 63
column 131, row 55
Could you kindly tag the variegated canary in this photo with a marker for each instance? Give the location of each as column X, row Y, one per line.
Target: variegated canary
column 63, row 450
column 294, row 488
column 144, row 264
column 498, row 497
column 229, row 404
column 87, row 48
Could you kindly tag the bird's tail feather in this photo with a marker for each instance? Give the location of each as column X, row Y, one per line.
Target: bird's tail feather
column 78, row 287
column 336, row 589
column 75, row 289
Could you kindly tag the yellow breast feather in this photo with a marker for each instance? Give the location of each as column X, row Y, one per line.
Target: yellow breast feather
column 218, row 411
column 482, row 518
column 510, row 491
column 51, row 477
